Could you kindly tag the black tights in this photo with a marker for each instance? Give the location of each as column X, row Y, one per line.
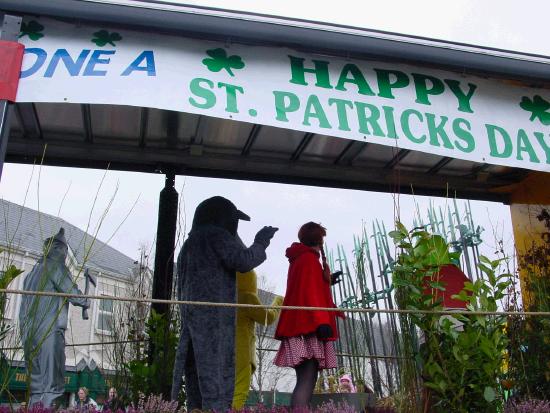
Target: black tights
column 306, row 377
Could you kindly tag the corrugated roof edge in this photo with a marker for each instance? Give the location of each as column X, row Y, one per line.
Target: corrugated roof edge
column 316, row 37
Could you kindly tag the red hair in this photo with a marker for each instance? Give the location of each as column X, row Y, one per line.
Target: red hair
column 311, row 234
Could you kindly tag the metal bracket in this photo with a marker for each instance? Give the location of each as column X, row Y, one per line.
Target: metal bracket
column 11, row 27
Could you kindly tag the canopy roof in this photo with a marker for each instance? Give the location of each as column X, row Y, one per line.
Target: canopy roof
column 154, row 140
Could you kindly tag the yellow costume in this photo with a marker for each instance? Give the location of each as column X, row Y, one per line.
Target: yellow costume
column 245, row 336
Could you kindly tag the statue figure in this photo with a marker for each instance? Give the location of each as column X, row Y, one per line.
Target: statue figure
column 43, row 321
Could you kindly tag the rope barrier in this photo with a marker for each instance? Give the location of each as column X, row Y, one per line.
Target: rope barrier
column 278, row 307
column 102, row 343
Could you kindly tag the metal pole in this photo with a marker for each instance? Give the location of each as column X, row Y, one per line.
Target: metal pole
column 163, row 275
column 11, row 26
column 166, row 240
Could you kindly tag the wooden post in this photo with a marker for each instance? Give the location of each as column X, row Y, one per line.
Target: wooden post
column 529, row 199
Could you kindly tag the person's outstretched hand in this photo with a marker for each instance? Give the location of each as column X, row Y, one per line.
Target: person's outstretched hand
column 264, row 235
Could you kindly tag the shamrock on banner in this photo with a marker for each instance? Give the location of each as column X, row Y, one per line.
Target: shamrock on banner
column 538, row 107
column 219, row 60
column 103, row 37
column 32, row 29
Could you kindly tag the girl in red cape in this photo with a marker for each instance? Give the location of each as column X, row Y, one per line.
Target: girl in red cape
column 307, row 336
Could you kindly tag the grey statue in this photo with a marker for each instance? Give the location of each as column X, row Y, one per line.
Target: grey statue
column 43, row 321
column 206, row 272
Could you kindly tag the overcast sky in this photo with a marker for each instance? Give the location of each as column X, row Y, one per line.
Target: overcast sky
column 507, row 24
column 70, row 193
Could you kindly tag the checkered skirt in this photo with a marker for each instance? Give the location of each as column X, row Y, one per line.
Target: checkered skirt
column 295, row 350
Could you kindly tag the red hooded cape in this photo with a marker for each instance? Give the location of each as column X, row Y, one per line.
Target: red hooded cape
column 306, row 287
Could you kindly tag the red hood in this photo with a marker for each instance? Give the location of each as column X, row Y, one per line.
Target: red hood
column 297, row 249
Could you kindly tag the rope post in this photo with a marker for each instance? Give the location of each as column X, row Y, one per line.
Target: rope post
column 164, row 273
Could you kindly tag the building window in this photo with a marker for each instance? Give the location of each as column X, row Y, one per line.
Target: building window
column 105, row 316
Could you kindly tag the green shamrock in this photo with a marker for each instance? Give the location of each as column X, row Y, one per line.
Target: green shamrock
column 219, row 60
column 32, row 29
column 103, row 37
column 538, row 107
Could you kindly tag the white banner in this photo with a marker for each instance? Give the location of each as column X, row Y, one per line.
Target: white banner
column 434, row 111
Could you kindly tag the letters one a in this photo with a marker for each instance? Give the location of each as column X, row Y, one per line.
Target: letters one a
column 87, row 63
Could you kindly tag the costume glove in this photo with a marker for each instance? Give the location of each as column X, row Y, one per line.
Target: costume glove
column 263, row 237
column 335, row 277
column 278, row 300
column 324, row 331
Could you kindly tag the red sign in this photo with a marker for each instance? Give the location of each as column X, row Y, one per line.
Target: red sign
column 453, row 280
column 11, row 56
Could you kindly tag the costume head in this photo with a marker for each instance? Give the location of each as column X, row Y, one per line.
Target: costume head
column 311, row 234
column 56, row 247
column 219, row 211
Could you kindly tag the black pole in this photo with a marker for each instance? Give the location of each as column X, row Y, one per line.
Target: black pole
column 166, row 240
column 11, row 26
column 159, row 350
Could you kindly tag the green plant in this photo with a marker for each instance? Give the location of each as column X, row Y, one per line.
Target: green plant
column 6, row 277
column 147, row 377
column 462, row 356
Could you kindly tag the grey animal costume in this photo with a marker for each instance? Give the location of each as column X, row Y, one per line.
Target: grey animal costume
column 206, row 272
column 43, row 321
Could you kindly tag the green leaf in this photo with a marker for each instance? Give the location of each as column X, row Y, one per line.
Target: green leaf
column 220, row 60
column 462, row 296
column 485, row 260
column 503, row 285
column 103, row 37
column 489, row 394
column 11, row 272
column 438, row 285
column 432, row 386
column 396, row 235
column 456, row 353
column 421, row 234
column 468, row 286
column 484, row 268
column 487, row 347
column 400, row 227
